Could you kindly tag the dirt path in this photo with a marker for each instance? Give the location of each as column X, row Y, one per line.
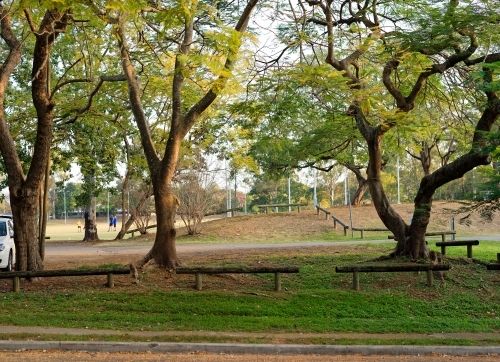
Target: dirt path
column 56, row 356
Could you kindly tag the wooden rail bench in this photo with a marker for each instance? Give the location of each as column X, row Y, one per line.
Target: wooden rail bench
column 429, row 268
column 369, row 229
column 277, row 270
column 136, row 230
column 435, row 233
column 335, row 221
column 494, row 266
column 110, row 272
column 266, row 207
column 468, row 243
column 318, row 208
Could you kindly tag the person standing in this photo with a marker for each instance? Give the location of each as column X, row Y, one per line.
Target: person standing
column 110, row 223
column 79, row 225
column 114, row 222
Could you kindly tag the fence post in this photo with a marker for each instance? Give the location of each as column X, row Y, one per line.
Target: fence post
column 355, row 280
column 111, row 280
column 277, row 282
column 15, row 284
column 198, row 281
column 452, row 226
column 430, row 278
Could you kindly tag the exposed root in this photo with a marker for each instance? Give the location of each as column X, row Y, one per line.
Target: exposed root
column 381, row 258
column 135, row 274
column 258, row 294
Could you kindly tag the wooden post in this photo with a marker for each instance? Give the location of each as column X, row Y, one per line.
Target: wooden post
column 443, row 249
column 132, row 234
column 498, row 258
column 277, row 282
column 430, row 278
column 266, row 209
column 443, row 238
column 469, row 251
column 15, row 284
column 334, row 223
column 198, row 280
column 298, row 208
column 345, row 231
column 111, row 280
column 362, row 235
column 355, row 280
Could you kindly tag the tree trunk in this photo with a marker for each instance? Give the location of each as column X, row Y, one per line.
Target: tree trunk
column 163, row 251
column 90, row 227
column 133, row 215
column 360, row 192
column 24, row 210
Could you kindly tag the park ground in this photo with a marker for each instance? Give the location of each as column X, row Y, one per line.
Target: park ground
column 235, row 239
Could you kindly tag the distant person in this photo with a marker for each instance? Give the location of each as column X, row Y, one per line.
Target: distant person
column 79, row 225
column 110, row 223
column 114, row 222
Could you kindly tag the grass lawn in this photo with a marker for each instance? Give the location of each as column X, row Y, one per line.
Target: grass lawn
column 317, row 300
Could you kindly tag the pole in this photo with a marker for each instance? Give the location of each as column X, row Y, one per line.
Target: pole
column 64, row 193
column 289, row 195
column 228, row 190
column 345, row 185
column 236, row 204
column 350, row 207
column 315, row 199
column 108, row 205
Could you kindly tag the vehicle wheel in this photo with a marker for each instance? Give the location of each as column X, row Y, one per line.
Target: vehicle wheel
column 9, row 263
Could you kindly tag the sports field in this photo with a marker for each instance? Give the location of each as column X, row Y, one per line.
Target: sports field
column 61, row 230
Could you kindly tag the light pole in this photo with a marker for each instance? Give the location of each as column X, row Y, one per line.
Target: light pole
column 64, row 193
column 315, row 199
column 289, row 195
column 108, row 205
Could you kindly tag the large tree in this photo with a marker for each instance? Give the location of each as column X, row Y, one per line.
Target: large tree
column 195, row 49
column 393, row 55
column 24, row 179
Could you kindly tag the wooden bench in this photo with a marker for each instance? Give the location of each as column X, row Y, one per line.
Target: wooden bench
column 198, row 271
column 435, row 233
column 318, row 208
column 335, row 221
column 468, row 243
column 266, row 207
column 369, row 229
column 429, row 268
column 232, row 211
column 136, row 230
column 110, row 272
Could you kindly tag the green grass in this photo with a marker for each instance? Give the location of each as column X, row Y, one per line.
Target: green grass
column 317, row 300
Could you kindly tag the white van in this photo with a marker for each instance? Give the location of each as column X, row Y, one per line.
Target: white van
column 7, row 247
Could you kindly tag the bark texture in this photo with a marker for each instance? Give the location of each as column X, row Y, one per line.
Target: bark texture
column 162, row 170
column 25, row 188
